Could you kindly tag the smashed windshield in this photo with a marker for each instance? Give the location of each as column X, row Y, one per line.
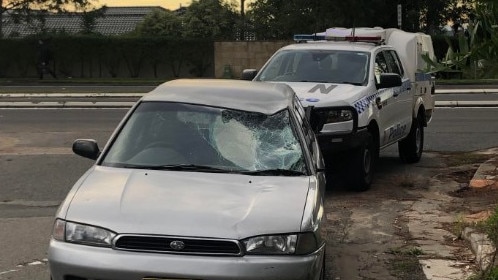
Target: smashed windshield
column 171, row 134
column 321, row 66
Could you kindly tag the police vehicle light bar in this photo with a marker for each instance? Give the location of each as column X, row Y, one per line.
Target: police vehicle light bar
column 321, row 37
column 308, row 37
column 372, row 39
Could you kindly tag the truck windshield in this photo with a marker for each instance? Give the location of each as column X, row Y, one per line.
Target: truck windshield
column 321, row 66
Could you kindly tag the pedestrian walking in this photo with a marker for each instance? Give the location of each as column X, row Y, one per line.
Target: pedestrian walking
column 45, row 56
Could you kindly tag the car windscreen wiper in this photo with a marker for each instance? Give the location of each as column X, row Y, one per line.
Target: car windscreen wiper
column 179, row 167
column 274, row 172
column 311, row 81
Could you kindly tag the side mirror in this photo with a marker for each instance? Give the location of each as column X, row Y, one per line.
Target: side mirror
column 248, row 74
column 389, row 80
column 86, row 148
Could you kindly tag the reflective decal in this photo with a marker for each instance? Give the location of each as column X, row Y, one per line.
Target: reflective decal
column 312, row 99
column 323, row 89
column 397, row 131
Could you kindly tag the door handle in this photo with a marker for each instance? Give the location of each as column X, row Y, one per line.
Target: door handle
column 378, row 102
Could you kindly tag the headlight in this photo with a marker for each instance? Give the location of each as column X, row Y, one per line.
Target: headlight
column 281, row 244
column 335, row 116
column 82, row 234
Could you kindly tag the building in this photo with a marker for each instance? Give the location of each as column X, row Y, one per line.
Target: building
column 114, row 21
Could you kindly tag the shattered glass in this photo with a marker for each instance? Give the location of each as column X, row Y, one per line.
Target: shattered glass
column 256, row 141
column 163, row 133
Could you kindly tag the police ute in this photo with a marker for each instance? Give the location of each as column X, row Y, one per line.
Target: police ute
column 365, row 89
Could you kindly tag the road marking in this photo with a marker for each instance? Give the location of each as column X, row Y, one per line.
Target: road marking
column 34, row 151
column 31, row 203
column 8, row 271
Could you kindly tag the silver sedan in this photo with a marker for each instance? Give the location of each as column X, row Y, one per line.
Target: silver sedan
column 203, row 179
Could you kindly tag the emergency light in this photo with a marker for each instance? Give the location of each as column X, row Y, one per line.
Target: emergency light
column 302, row 38
column 362, row 34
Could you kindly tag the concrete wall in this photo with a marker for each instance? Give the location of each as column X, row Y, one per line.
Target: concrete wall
column 233, row 57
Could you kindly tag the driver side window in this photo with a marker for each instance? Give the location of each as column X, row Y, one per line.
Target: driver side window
column 380, row 66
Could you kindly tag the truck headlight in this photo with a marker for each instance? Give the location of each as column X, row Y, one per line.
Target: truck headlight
column 335, row 120
column 298, row 244
column 341, row 115
column 82, row 234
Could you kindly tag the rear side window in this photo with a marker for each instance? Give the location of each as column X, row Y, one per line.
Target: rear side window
column 393, row 62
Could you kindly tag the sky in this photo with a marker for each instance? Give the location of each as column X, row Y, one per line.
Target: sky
column 168, row 4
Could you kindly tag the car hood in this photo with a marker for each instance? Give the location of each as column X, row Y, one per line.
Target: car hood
column 326, row 94
column 188, row 203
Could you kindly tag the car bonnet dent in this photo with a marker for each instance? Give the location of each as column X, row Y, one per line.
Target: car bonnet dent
column 190, row 204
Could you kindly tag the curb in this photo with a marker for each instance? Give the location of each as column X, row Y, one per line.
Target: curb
column 482, row 247
column 482, row 103
column 458, row 91
column 77, row 95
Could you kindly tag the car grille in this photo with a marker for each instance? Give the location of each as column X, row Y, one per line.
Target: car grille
column 165, row 244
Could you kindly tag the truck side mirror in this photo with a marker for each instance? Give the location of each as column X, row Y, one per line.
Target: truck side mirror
column 248, row 74
column 389, row 80
column 86, row 148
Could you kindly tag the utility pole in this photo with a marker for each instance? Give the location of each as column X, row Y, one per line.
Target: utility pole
column 243, row 17
column 241, row 8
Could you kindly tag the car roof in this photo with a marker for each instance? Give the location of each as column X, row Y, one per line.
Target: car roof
column 266, row 98
column 332, row 45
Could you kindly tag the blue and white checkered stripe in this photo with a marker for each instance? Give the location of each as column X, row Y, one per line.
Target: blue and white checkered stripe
column 362, row 104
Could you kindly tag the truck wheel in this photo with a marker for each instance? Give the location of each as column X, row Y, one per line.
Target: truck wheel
column 361, row 165
column 410, row 149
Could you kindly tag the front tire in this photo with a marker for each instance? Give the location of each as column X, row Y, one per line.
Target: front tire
column 410, row 149
column 361, row 166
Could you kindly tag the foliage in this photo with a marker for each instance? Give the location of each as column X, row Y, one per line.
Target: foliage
column 35, row 10
column 214, row 19
column 89, row 19
column 210, row 19
column 161, row 23
column 474, row 53
column 280, row 19
column 79, row 56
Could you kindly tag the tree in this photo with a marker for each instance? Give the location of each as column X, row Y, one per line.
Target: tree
column 161, row 23
column 89, row 19
column 279, row 19
column 210, row 19
column 26, row 10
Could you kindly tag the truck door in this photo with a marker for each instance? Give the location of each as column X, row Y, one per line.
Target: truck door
column 395, row 112
column 403, row 98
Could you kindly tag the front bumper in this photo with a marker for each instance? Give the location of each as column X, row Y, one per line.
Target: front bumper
column 95, row 263
column 340, row 142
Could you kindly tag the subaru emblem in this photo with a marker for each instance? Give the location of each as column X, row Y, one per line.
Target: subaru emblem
column 177, row 245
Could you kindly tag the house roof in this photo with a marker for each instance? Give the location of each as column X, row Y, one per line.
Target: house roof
column 116, row 20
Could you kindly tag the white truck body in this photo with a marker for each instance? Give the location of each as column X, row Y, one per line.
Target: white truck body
column 367, row 89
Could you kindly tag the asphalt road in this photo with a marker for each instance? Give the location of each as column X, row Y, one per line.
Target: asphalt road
column 38, row 169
